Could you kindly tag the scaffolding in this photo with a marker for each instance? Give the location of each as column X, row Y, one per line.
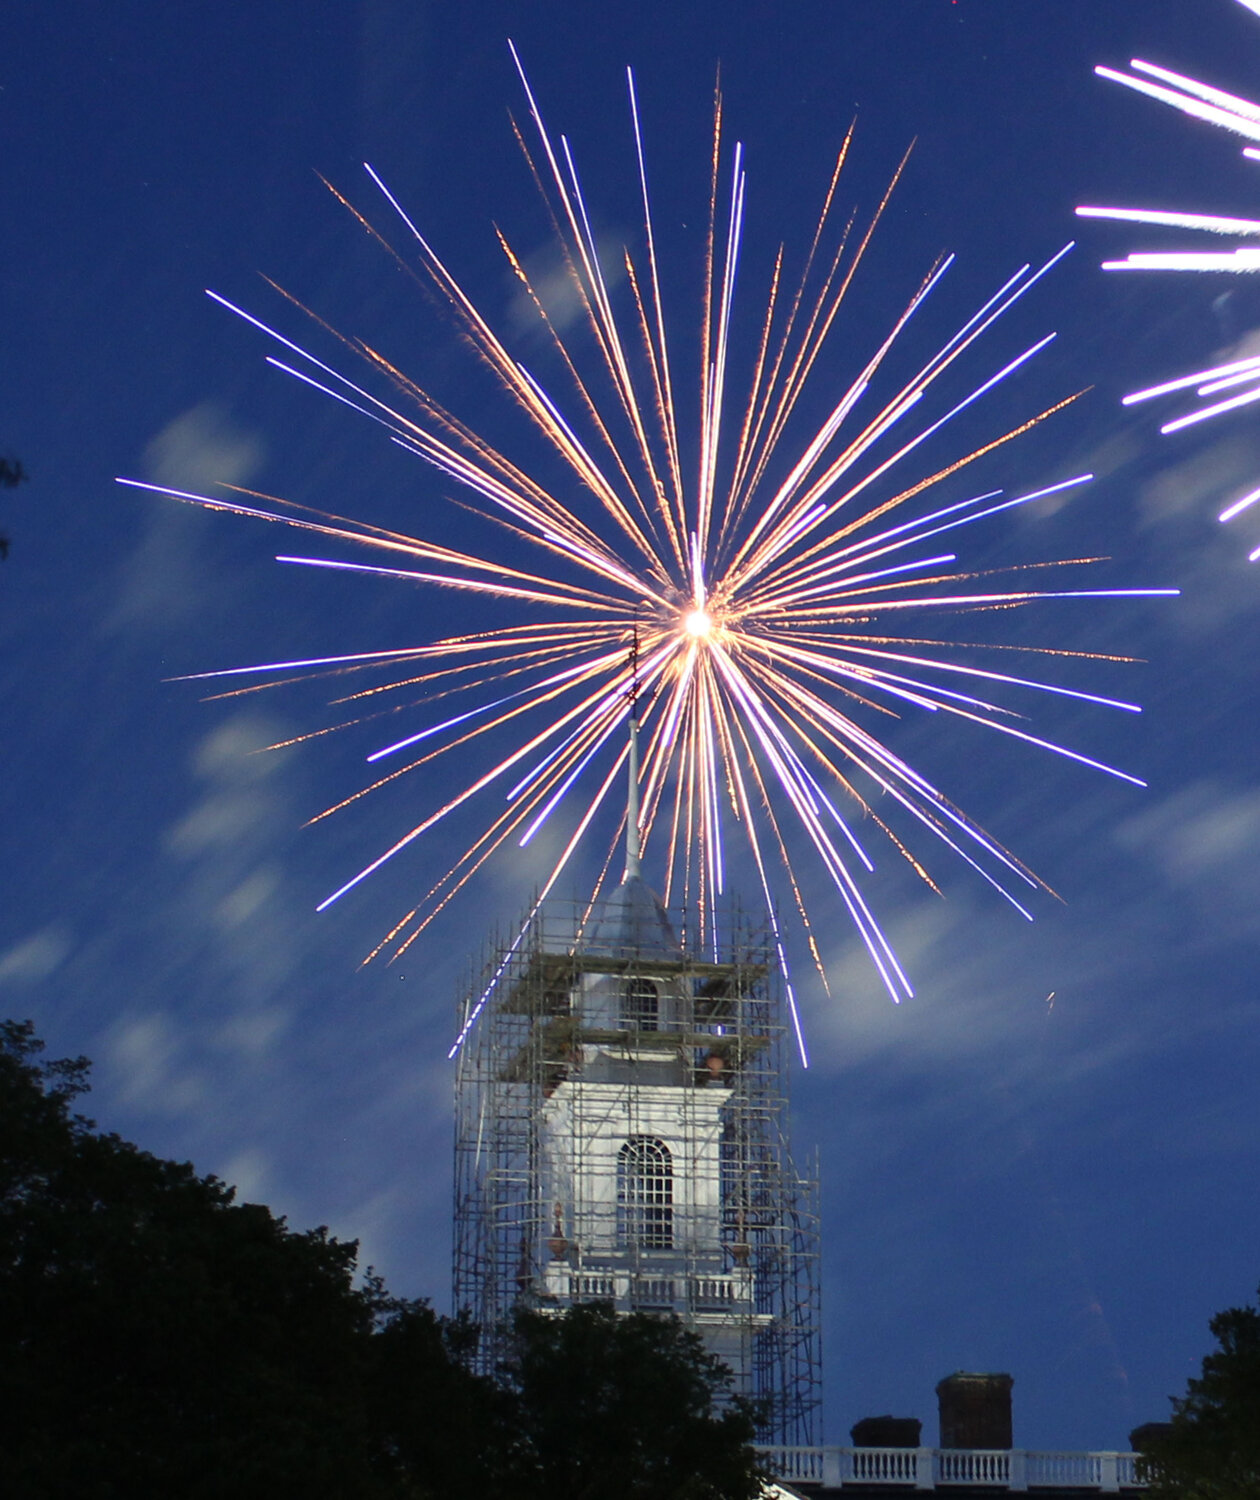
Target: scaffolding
column 622, row 1135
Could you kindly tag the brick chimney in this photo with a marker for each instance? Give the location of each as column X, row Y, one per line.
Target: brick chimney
column 886, row 1432
column 975, row 1410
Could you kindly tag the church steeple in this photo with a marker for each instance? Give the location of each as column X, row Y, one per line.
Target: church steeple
column 632, row 921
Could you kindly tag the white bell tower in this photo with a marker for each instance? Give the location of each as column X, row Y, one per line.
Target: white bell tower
column 636, row 1149
column 621, row 1135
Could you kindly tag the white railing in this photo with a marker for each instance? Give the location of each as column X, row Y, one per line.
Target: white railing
column 932, row 1468
column 879, row 1465
column 586, row 1288
column 652, row 1291
column 713, row 1290
column 725, row 1291
column 1075, row 1470
column 1126, row 1470
column 974, row 1466
column 795, row 1465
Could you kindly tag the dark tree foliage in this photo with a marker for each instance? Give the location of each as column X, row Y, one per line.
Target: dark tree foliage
column 158, row 1339
column 625, row 1408
column 443, row 1429
column 1210, row 1450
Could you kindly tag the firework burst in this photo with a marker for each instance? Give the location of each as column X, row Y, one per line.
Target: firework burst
column 1236, row 383
column 720, row 604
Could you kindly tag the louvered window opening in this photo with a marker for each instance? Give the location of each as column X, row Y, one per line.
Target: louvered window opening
column 640, row 1006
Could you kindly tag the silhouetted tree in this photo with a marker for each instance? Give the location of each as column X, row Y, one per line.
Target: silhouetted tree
column 625, row 1407
column 1210, row 1450
column 441, row 1427
column 158, row 1339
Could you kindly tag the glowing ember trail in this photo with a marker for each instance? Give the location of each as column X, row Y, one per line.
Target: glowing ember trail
column 753, row 616
column 1239, row 377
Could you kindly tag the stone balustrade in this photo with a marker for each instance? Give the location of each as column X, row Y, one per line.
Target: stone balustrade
column 939, row 1468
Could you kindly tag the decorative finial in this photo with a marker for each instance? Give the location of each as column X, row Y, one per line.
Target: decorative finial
column 633, row 851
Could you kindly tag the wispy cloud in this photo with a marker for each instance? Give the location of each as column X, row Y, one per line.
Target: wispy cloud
column 554, row 285
column 1203, row 840
column 201, row 450
column 250, row 1173
column 1192, row 485
column 35, row 957
column 148, row 1060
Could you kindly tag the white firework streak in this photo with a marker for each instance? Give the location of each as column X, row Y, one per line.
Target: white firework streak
column 748, row 618
column 1240, row 117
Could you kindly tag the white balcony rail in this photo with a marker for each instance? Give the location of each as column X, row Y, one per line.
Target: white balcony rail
column 723, row 1292
column 933, row 1468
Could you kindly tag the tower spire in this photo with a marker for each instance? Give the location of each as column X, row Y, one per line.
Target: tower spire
column 633, row 851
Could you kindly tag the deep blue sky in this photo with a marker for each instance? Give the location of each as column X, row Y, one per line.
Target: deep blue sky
column 1063, row 1190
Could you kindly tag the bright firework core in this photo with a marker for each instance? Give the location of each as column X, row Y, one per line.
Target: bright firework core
column 699, row 622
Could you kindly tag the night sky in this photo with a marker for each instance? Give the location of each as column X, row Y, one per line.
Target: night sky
column 1047, row 1161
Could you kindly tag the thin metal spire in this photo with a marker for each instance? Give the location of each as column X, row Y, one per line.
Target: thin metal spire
column 633, row 850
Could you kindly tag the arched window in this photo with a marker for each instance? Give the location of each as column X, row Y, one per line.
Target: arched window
column 640, row 1005
column 645, row 1194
